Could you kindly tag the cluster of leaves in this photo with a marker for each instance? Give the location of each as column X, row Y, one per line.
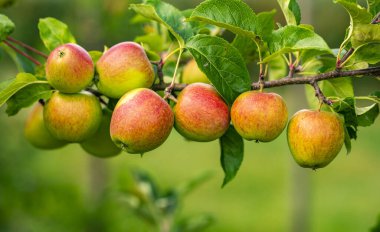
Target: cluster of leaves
column 196, row 33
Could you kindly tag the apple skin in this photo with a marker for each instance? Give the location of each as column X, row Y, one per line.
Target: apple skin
column 72, row 117
column 36, row 132
column 259, row 116
column 192, row 74
column 315, row 137
column 141, row 121
column 122, row 68
column 101, row 144
column 200, row 113
column 69, row 68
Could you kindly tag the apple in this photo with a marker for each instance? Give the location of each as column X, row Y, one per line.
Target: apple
column 36, row 132
column 72, row 117
column 101, row 144
column 69, row 68
column 315, row 137
column 191, row 73
column 122, row 68
column 259, row 116
column 141, row 121
column 200, row 113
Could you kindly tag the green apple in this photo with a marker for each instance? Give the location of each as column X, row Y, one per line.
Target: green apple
column 122, row 68
column 192, row 74
column 69, row 68
column 259, row 116
column 36, row 132
column 141, row 121
column 101, row 144
column 315, row 137
column 200, row 113
column 72, row 117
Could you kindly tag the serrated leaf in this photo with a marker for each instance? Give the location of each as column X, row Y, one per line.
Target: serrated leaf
column 54, row 33
column 347, row 141
column 373, row 7
column 368, row 53
column 367, row 115
column 358, row 14
column 223, row 65
column 6, row 27
column 25, row 97
column 168, row 15
column 265, row 20
column 346, row 107
column 232, row 152
column 291, row 11
column 295, row 38
column 21, row 81
column 233, row 15
column 365, row 33
column 246, row 47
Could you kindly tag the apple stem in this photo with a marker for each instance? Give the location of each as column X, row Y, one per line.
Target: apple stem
column 36, row 62
column 160, row 73
column 30, row 48
column 42, row 102
column 98, row 95
column 169, row 89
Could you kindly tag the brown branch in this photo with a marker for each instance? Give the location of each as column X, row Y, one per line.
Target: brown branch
column 319, row 94
column 36, row 62
column 30, row 48
column 376, row 19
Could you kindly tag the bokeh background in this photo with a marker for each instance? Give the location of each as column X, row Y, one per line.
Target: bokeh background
column 68, row 190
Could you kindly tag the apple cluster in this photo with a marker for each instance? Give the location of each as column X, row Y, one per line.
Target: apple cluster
column 142, row 120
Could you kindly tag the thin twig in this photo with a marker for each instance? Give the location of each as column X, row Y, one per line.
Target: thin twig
column 36, row 62
column 318, row 93
column 30, row 48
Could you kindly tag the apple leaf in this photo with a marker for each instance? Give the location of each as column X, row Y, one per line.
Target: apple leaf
column 367, row 115
column 278, row 68
column 295, row 38
column 6, row 27
column 25, row 97
column 22, row 63
column 291, row 11
column 95, row 55
column 12, row 87
column 347, row 141
column 54, row 33
column 373, row 7
column 365, row 33
column 167, row 15
column 232, row 152
column 346, row 107
column 368, row 53
column 246, row 47
column 223, row 65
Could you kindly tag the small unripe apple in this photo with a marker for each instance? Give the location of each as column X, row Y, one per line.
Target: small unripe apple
column 72, row 117
column 259, row 116
column 200, row 113
column 36, row 132
column 141, row 121
column 122, row 68
column 101, row 144
column 192, row 74
column 315, row 137
column 69, row 68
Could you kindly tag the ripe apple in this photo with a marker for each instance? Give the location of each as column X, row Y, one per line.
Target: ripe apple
column 72, row 117
column 191, row 74
column 141, row 121
column 259, row 116
column 200, row 113
column 69, row 68
column 36, row 132
column 315, row 137
column 101, row 144
column 124, row 67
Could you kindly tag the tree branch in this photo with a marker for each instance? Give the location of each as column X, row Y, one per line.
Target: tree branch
column 36, row 62
column 30, row 48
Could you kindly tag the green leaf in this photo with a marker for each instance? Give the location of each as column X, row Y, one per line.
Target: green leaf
column 365, row 33
column 346, row 107
column 357, row 13
column 266, row 21
column 153, row 41
column 373, row 7
column 54, row 33
column 27, row 96
column 232, row 152
column 347, row 141
column 223, row 65
column 278, row 68
column 195, row 223
column 246, row 47
column 233, row 15
column 22, row 63
column 375, row 94
column 295, row 38
column 368, row 53
column 6, row 27
column 367, row 115
column 291, row 11
column 95, row 55
column 167, row 15
column 21, row 81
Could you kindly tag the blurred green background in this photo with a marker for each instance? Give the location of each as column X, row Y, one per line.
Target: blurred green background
column 68, row 190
